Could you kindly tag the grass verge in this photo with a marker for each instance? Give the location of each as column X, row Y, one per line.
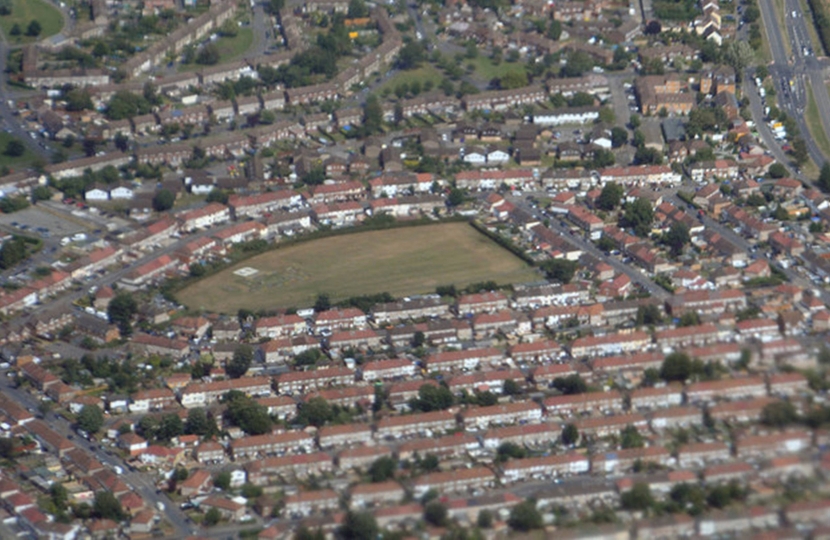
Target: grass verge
column 814, row 123
column 26, row 11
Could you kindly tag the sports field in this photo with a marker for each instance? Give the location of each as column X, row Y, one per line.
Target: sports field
column 399, row 261
column 26, row 11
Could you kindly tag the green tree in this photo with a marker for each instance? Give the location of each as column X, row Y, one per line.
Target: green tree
column 382, row 469
column 619, row 136
column 639, row 215
column 358, row 526
column 199, row 423
column 513, row 79
column 570, row 435
column 509, row 450
column 34, row 29
column 561, row 270
column 571, row 384
column 222, row 480
column 637, row 498
column 171, row 426
column 121, row 310
column 554, row 30
column 676, row 238
column 525, row 517
column 778, row 414
column 677, row 367
column 777, row 170
column 15, row 148
column 630, row 437
column 485, row 519
column 358, row 9
column 78, row 99
column 208, row 55
column 106, row 506
column 610, row 196
column 246, row 413
column 91, row 418
column 243, row 355
column 436, row 513
column 432, row 398
column 163, row 200
column 456, row 197
column 372, row 115
column 824, row 177
column 15, row 30
column 212, row 517
column 5, row 7
column 315, row 412
column 411, row 55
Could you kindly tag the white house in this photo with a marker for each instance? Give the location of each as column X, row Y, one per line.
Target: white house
column 474, row 156
column 569, row 115
column 121, row 192
column 97, row 194
column 497, row 156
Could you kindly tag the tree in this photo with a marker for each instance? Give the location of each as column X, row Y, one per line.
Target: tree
column 525, row 517
column 212, row 517
column 778, row 414
column 15, row 30
column 163, row 200
column 456, row 197
column 34, row 29
column 570, row 435
column 570, row 385
column 432, row 398
column 824, row 177
column 372, row 115
column 511, row 388
column 78, row 100
column 630, row 437
column 435, row 513
column 358, row 9
column 653, row 28
column 607, row 115
column 738, row 54
column 382, row 469
column 561, row 270
column 91, row 418
column 122, row 142
column 639, row 215
column 106, row 506
column 243, row 355
column 676, row 367
column 799, row 151
column 315, row 412
column 648, row 315
column 121, row 310
column 208, row 55
column 777, row 170
column 513, row 79
column 619, row 136
column 358, row 526
column 610, row 196
column 554, row 30
column 637, row 498
column 199, row 423
column 246, row 413
column 411, row 55
column 5, row 7
column 509, row 450
column 676, row 238
column 222, row 480
column 485, row 519
column 15, row 148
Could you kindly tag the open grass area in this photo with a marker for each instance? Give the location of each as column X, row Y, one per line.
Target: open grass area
column 230, row 48
column 16, row 162
column 26, row 11
column 398, row 261
column 811, row 27
column 486, row 70
column 423, row 74
column 814, row 123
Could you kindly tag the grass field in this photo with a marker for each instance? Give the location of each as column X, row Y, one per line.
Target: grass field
column 13, row 163
column 398, row 261
column 423, row 74
column 230, row 48
column 26, row 11
column 814, row 123
column 486, row 70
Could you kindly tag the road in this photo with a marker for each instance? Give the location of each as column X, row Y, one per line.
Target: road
column 634, row 274
column 138, row 481
column 791, row 76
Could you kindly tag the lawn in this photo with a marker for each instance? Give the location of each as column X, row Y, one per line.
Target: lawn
column 230, row 48
column 26, row 11
column 13, row 163
column 398, row 261
column 423, row 74
column 486, row 70
column 814, row 122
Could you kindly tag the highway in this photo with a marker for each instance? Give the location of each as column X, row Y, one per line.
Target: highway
column 791, row 76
